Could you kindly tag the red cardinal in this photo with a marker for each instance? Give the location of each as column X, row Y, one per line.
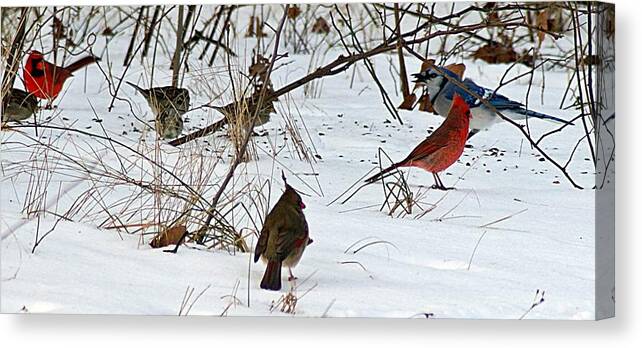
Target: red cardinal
column 45, row 80
column 442, row 148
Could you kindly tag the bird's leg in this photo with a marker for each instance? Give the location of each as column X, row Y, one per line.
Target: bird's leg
column 291, row 277
column 438, row 184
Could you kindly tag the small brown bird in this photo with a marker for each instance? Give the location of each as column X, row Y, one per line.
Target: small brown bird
column 283, row 238
column 168, row 105
column 18, row 105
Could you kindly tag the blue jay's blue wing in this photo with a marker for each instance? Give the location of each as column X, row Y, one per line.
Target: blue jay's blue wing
column 451, row 89
column 500, row 102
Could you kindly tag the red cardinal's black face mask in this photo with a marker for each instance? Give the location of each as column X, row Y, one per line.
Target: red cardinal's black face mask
column 36, row 68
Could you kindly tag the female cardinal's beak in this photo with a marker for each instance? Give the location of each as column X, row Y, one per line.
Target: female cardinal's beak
column 302, row 205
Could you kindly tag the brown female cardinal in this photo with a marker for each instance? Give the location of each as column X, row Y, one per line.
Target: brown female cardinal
column 45, row 80
column 283, row 238
column 442, row 148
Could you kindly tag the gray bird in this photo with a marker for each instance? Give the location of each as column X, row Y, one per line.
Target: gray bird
column 168, row 105
column 18, row 105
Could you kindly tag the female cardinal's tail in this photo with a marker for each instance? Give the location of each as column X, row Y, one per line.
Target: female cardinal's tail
column 81, row 63
column 376, row 177
column 272, row 277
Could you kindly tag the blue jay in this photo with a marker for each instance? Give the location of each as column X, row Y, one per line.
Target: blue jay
column 441, row 92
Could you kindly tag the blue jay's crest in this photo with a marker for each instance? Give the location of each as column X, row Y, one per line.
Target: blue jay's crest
column 455, row 71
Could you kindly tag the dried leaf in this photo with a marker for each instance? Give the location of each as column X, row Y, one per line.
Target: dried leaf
column 255, row 28
column 108, row 32
column 526, row 59
column 496, row 54
column 250, row 28
column 321, row 26
column 294, row 12
column 259, row 28
column 490, row 5
column 425, row 104
column 170, row 236
column 427, row 64
column 556, row 19
column 542, row 25
column 408, row 102
column 58, row 28
column 492, row 16
column 458, row 69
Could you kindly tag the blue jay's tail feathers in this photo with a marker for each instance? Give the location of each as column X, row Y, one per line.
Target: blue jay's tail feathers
column 528, row 113
column 502, row 103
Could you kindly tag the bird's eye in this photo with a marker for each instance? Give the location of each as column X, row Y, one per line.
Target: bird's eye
column 432, row 75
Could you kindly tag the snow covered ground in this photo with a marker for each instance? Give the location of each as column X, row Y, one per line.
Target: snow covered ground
column 514, row 224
